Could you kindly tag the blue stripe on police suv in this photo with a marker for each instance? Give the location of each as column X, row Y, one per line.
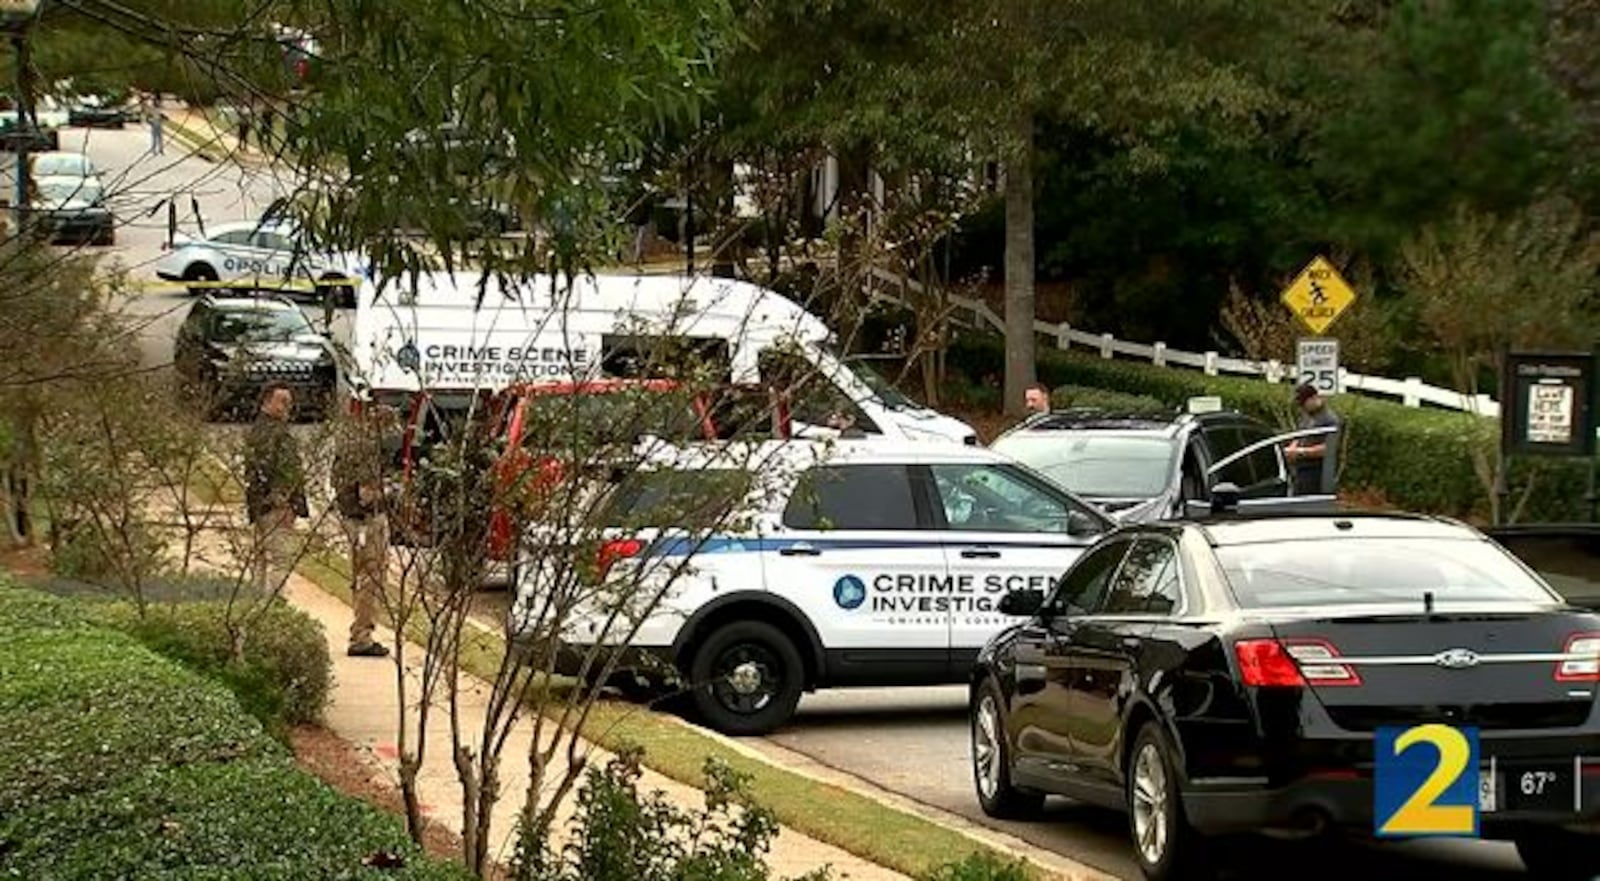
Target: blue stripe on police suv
column 849, row 592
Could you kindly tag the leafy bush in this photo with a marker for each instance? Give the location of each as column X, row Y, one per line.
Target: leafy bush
column 25, row 613
column 257, row 819
column 621, row 835
column 85, row 709
column 285, row 673
column 118, row 763
column 1420, row 459
column 981, row 867
column 1069, row 396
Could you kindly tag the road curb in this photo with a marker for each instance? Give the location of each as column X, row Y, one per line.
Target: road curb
column 1049, row 862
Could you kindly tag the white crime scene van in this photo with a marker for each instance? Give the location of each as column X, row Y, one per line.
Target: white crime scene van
column 860, row 563
column 472, row 332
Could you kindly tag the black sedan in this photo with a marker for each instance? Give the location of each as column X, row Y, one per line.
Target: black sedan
column 1238, row 675
column 96, row 114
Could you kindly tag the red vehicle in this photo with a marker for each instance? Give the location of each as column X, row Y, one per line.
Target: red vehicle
column 540, row 418
column 545, row 425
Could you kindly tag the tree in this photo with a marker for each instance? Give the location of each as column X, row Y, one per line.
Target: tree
column 1444, row 103
column 1533, row 271
column 424, row 109
column 1137, row 74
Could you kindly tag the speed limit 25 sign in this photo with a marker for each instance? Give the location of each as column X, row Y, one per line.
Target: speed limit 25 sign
column 1317, row 364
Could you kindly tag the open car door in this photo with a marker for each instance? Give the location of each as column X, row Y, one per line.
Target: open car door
column 1283, row 499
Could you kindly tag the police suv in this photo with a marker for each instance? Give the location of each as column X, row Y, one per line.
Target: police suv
column 264, row 250
column 860, row 563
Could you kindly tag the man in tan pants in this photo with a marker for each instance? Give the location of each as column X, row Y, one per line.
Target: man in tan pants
column 274, row 490
column 359, row 472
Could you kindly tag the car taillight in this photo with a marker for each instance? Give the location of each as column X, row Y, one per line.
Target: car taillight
column 619, row 549
column 1580, row 669
column 1270, row 663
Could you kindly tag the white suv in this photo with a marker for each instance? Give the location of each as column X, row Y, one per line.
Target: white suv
column 859, row 563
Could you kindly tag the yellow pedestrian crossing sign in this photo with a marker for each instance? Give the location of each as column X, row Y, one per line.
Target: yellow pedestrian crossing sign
column 1318, row 295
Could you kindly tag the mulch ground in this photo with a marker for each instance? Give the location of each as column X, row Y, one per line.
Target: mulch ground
column 343, row 766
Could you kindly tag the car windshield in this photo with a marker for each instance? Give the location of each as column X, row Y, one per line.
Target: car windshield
column 598, row 419
column 1097, row 465
column 693, row 499
column 259, row 326
column 80, row 189
column 62, row 165
column 1376, row 571
column 888, row 394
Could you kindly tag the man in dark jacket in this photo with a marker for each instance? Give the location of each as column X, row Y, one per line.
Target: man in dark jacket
column 275, row 493
column 1315, row 459
column 360, row 468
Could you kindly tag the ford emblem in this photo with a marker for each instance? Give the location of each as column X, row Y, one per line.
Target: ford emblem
column 1456, row 659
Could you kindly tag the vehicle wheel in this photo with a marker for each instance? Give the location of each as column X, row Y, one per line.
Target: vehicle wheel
column 199, row 272
column 344, row 295
column 1163, row 844
column 1559, row 854
column 991, row 760
column 106, row 238
column 747, row 678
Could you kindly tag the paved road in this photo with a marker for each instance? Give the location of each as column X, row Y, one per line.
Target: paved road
column 140, row 184
column 913, row 741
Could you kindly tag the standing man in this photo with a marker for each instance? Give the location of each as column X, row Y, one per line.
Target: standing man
column 275, row 488
column 360, row 469
column 157, row 121
column 245, row 110
column 1315, row 459
column 1037, row 398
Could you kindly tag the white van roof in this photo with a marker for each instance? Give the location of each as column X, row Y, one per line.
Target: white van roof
column 478, row 319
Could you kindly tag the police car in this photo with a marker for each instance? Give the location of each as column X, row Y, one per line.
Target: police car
column 257, row 251
column 860, row 563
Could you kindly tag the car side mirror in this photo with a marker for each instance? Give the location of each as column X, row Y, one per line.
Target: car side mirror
column 1079, row 523
column 1022, row 603
column 1225, row 498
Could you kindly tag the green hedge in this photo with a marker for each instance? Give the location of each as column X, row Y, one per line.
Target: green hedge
column 1420, row 459
column 256, row 819
column 118, row 763
column 1068, row 396
column 85, row 708
column 285, row 673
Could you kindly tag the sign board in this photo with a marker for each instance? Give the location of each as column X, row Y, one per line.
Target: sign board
column 1318, row 295
column 1550, row 404
column 1317, row 365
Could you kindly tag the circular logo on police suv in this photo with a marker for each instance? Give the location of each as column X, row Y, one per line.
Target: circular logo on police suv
column 408, row 357
column 849, row 592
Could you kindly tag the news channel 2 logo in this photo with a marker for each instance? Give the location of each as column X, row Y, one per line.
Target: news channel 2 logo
column 1428, row 782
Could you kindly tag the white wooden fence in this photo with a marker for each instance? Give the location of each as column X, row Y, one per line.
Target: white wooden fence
column 1411, row 391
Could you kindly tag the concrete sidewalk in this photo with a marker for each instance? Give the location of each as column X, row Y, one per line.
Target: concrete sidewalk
column 364, row 710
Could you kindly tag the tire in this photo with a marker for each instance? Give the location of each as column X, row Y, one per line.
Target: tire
column 1559, row 854
column 991, row 759
column 1164, row 845
column 344, row 295
column 199, row 272
column 747, row 678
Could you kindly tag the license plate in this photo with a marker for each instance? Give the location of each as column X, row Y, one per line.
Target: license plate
column 1487, row 801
